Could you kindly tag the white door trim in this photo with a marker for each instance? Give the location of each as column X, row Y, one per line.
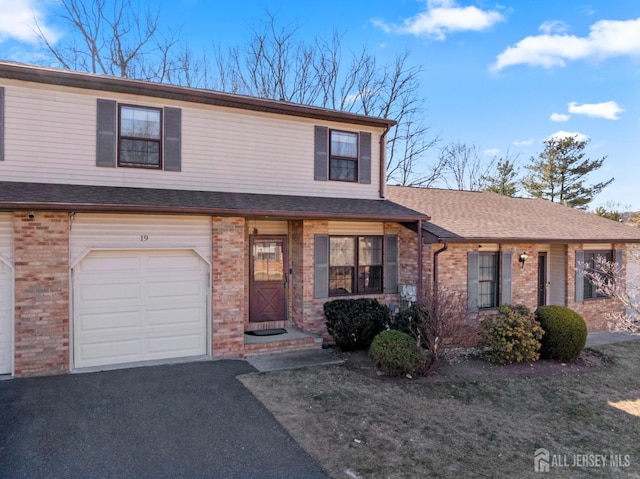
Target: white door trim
column 12, row 312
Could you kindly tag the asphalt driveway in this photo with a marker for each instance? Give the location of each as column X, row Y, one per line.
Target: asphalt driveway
column 184, row 420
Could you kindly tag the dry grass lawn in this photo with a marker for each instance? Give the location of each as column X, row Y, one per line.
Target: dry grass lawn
column 456, row 425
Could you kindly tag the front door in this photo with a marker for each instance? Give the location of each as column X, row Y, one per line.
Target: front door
column 542, row 279
column 268, row 270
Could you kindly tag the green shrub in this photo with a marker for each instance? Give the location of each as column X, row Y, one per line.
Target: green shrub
column 354, row 323
column 396, row 353
column 412, row 322
column 565, row 333
column 513, row 335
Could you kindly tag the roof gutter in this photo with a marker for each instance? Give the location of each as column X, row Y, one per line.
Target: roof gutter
column 435, row 264
column 536, row 240
column 383, row 160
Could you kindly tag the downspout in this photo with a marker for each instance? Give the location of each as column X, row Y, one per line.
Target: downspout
column 383, row 160
column 435, row 264
column 419, row 288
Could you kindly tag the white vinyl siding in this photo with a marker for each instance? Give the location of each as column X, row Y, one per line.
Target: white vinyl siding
column 132, row 306
column 557, row 275
column 114, row 231
column 223, row 149
column 268, row 227
column 6, row 293
column 349, row 228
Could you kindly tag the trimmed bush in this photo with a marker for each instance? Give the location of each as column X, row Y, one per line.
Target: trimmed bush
column 513, row 335
column 354, row 323
column 565, row 333
column 396, row 353
column 412, row 322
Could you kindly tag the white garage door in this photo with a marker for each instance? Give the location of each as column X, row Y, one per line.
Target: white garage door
column 5, row 318
column 135, row 305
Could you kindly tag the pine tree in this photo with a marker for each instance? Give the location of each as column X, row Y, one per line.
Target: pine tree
column 504, row 182
column 559, row 173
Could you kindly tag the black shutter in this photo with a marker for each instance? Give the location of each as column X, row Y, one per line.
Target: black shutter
column 321, row 153
column 364, row 162
column 579, row 286
column 321, row 266
column 506, row 277
column 106, row 134
column 1, row 123
column 172, row 139
column 473, row 273
column 391, row 264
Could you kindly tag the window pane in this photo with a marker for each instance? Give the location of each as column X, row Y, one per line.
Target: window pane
column 344, row 144
column 343, row 170
column 340, row 280
column 488, row 267
column 487, row 295
column 370, row 279
column 370, row 250
column 139, row 153
column 342, row 251
column 268, row 261
column 140, row 122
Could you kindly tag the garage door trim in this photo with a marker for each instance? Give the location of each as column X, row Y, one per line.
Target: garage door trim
column 72, row 315
column 12, row 319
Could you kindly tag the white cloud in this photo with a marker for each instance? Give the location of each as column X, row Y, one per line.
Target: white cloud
column 17, row 21
column 524, row 142
column 443, row 17
column 564, row 134
column 559, row 117
column 553, row 26
column 492, row 152
column 606, row 39
column 608, row 110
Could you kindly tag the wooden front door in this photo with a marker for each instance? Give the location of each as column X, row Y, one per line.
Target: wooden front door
column 542, row 279
column 268, row 281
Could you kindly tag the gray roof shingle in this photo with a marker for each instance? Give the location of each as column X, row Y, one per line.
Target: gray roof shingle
column 484, row 216
column 25, row 196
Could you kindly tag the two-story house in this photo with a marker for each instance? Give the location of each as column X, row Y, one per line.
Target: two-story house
column 143, row 221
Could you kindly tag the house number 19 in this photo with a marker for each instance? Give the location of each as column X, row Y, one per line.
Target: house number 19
column 144, row 237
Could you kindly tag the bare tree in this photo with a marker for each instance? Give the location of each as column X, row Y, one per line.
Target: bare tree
column 463, row 167
column 607, row 277
column 113, row 37
column 276, row 64
column 116, row 38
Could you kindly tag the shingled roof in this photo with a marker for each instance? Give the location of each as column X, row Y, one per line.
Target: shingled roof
column 45, row 196
column 463, row 216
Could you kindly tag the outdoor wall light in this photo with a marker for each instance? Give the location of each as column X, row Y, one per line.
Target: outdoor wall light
column 523, row 257
column 31, row 215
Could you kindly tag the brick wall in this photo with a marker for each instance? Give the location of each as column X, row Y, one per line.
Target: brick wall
column 41, row 293
column 229, row 290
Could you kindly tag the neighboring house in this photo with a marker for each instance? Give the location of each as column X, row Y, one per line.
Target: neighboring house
column 502, row 250
column 142, row 221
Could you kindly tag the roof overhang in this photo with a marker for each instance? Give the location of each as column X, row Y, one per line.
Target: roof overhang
column 88, row 81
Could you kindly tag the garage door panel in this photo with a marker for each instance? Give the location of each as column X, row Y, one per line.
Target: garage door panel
column 189, row 345
column 103, row 262
column 157, row 310
column 167, row 289
column 115, row 352
column 179, row 319
column 117, row 322
column 108, row 290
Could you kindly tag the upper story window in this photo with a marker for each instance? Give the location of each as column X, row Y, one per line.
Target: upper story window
column 140, row 137
column 355, row 265
column 590, row 291
column 343, row 156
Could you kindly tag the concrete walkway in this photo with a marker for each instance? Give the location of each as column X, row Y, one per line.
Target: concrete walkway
column 292, row 360
column 608, row 337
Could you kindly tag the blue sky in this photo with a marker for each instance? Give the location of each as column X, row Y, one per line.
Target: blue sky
column 503, row 76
